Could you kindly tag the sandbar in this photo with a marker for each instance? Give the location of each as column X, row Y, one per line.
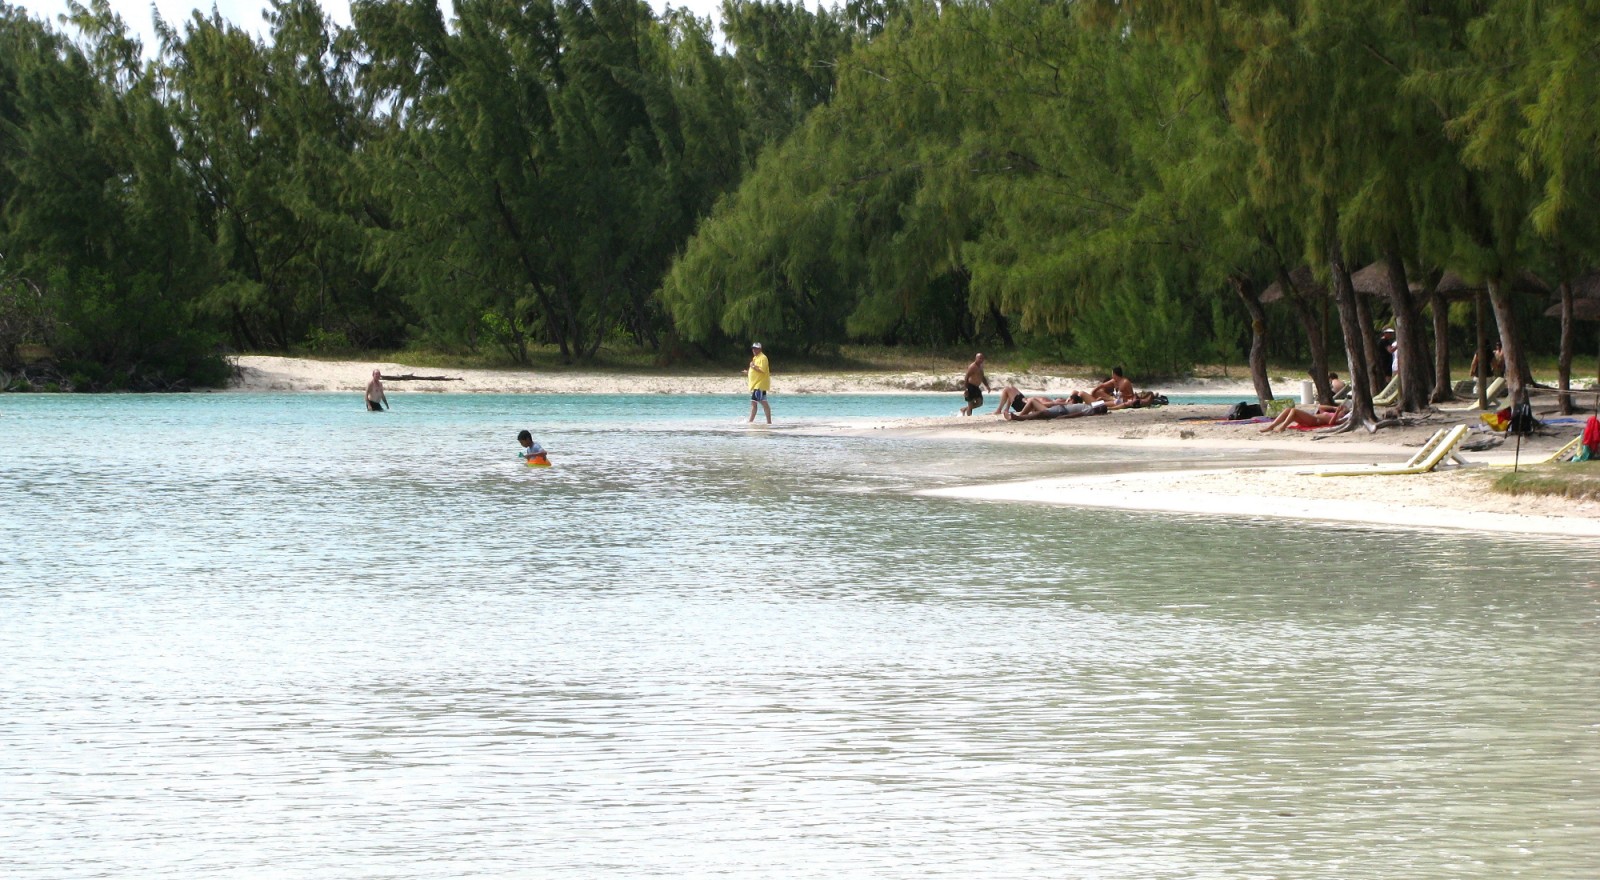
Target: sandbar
column 1456, row 498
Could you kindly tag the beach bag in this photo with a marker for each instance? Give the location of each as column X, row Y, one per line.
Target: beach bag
column 1241, row 411
column 1522, row 421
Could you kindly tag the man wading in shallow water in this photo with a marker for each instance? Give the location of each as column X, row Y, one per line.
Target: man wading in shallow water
column 974, row 378
column 760, row 378
column 376, row 401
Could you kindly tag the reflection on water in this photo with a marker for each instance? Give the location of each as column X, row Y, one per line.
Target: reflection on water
column 277, row 635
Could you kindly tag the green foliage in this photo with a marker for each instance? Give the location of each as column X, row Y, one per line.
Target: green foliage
column 1095, row 179
column 1139, row 325
column 98, row 216
column 25, row 317
column 1579, row 481
column 128, row 334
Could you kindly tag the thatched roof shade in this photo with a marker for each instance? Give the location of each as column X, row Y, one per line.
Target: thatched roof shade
column 1372, row 280
column 1455, row 286
column 1582, row 309
column 1585, row 299
column 1303, row 281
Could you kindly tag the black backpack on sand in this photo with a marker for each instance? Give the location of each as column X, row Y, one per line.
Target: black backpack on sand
column 1241, row 411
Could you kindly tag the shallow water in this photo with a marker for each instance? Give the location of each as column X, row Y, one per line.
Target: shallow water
column 269, row 635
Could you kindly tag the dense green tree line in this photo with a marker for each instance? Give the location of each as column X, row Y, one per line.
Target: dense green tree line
column 1102, row 180
column 521, row 176
column 1130, row 178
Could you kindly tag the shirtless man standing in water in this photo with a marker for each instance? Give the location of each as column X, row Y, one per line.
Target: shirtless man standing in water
column 975, row 378
column 376, row 400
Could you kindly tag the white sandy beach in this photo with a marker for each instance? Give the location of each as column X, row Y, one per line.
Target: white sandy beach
column 1458, row 498
column 267, row 373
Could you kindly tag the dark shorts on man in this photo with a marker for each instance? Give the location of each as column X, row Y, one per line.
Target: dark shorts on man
column 1018, row 402
column 974, row 395
column 374, row 406
column 758, row 395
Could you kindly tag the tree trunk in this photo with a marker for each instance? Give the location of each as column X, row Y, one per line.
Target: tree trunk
column 1414, row 380
column 1258, row 337
column 1315, row 338
column 1001, row 326
column 1565, row 366
column 1355, row 331
column 1377, row 362
column 1442, row 392
column 1480, row 306
column 1518, row 378
column 241, row 329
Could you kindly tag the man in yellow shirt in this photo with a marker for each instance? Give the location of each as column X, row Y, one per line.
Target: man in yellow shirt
column 760, row 379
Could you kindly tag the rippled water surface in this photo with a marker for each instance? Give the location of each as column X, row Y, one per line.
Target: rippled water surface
column 275, row 636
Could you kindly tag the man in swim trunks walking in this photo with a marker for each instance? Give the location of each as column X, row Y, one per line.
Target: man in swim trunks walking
column 974, row 378
column 759, row 376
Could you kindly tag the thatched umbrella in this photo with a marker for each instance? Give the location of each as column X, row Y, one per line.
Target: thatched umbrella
column 1304, row 282
column 1455, row 286
column 1374, row 280
column 1583, row 309
column 1585, row 292
column 1452, row 285
column 1585, row 299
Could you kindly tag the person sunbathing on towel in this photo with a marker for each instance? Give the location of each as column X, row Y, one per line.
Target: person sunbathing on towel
column 1324, row 416
column 1039, row 404
column 1142, row 399
column 1060, row 408
column 1011, row 398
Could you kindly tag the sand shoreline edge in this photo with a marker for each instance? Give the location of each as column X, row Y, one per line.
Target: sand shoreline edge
column 1457, row 499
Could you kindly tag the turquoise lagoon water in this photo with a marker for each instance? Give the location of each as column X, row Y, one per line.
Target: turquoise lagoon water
column 275, row 636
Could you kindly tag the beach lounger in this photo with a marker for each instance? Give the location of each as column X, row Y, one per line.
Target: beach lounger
column 1561, row 454
column 1390, row 395
column 1440, row 446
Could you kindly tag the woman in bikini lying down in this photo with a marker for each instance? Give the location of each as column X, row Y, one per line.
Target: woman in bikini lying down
column 1323, row 417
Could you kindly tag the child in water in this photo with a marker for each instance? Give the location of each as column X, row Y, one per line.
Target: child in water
column 532, row 452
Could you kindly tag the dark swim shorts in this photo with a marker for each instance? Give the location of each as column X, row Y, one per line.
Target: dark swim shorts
column 1018, row 402
column 758, row 395
column 374, row 406
column 974, row 395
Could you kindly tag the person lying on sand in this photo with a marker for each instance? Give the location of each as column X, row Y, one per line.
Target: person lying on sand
column 1324, row 416
column 1011, row 398
column 1060, row 408
column 1142, row 399
column 1036, row 404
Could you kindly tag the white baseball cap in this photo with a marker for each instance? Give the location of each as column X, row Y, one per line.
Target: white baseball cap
column 755, row 345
